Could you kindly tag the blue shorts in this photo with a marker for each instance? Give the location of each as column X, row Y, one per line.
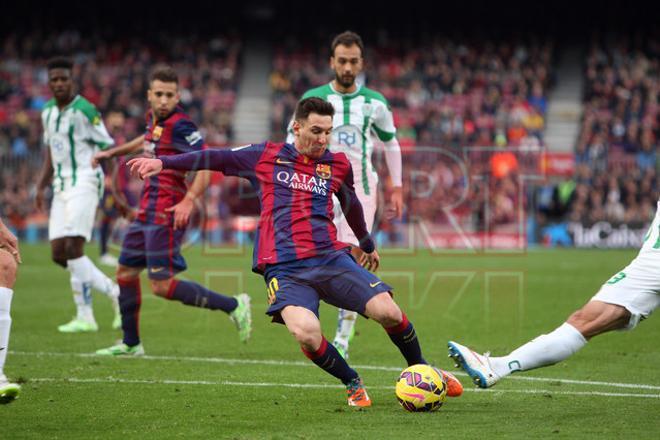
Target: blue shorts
column 156, row 247
column 335, row 278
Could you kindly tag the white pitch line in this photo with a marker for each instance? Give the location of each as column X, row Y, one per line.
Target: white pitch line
column 114, row 380
column 309, row 364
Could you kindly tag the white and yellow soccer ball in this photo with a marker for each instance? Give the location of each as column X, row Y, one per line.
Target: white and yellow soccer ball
column 421, row 388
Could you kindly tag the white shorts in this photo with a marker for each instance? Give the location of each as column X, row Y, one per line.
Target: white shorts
column 72, row 214
column 637, row 287
column 369, row 205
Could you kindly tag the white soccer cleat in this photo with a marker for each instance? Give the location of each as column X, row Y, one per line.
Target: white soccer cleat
column 477, row 366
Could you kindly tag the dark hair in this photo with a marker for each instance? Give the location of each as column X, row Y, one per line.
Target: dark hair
column 313, row 105
column 59, row 63
column 346, row 38
column 164, row 73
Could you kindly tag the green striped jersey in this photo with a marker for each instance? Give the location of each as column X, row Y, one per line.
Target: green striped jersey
column 359, row 118
column 74, row 134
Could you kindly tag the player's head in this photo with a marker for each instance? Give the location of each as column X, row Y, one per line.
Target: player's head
column 312, row 126
column 60, row 78
column 346, row 58
column 163, row 93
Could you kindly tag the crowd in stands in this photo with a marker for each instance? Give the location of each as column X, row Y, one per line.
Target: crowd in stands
column 616, row 154
column 443, row 93
column 113, row 74
column 449, row 96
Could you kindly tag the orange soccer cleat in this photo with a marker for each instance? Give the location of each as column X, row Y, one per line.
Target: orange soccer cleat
column 357, row 394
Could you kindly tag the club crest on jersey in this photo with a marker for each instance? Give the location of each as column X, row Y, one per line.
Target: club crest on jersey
column 157, row 133
column 323, row 171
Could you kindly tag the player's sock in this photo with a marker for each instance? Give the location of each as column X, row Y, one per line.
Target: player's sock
column 193, row 294
column 540, row 352
column 81, row 284
column 345, row 325
column 5, row 324
column 130, row 299
column 328, row 358
column 100, row 281
column 404, row 337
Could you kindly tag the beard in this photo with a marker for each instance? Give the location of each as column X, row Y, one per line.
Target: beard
column 346, row 81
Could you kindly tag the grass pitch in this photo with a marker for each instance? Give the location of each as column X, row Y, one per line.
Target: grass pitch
column 198, row 381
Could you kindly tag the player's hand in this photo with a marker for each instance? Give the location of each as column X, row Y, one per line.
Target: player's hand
column 9, row 242
column 100, row 156
column 182, row 211
column 144, row 167
column 395, row 208
column 370, row 261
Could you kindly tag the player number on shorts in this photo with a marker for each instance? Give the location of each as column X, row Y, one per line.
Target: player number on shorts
column 273, row 287
column 616, row 278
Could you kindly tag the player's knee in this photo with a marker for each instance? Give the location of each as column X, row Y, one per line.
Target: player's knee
column 59, row 259
column 7, row 269
column 384, row 310
column 391, row 316
column 592, row 320
column 161, row 287
column 309, row 336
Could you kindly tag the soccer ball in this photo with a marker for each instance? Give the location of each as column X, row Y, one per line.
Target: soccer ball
column 421, row 388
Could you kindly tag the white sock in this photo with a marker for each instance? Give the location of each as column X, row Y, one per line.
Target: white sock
column 545, row 350
column 345, row 323
column 100, row 281
column 81, row 284
column 5, row 325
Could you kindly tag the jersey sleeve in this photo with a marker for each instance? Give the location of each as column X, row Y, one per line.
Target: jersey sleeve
column 94, row 129
column 99, row 135
column 187, row 137
column 384, row 122
column 240, row 161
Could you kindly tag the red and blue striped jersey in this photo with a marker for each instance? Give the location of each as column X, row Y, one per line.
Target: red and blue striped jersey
column 172, row 135
column 295, row 194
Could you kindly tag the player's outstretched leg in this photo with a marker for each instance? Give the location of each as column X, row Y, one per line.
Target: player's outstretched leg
column 306, row 329
column 196, row 295
column 345, row 331
column 594, row 318
column 401, row 331
column 8, row 390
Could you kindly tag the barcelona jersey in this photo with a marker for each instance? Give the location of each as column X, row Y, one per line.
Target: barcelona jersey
column 172, row 135
column 295, row 194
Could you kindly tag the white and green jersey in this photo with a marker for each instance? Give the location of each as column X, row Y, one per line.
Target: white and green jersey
column 74, row 134
column 359, row 117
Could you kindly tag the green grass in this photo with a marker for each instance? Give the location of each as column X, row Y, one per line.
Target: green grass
column 202, row 383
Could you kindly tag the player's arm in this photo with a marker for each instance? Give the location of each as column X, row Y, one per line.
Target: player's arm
column 184, row 208
column 120, row 150
column 354, row 214
column 239, row 161
column 394, row 166
column 386, row 131
column 45, row 177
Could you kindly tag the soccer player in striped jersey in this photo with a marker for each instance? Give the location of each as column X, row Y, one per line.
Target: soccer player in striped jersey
column 73, row 132
column 153, row 240
column 362, row 118
column 10, row 256
column 296, row 248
